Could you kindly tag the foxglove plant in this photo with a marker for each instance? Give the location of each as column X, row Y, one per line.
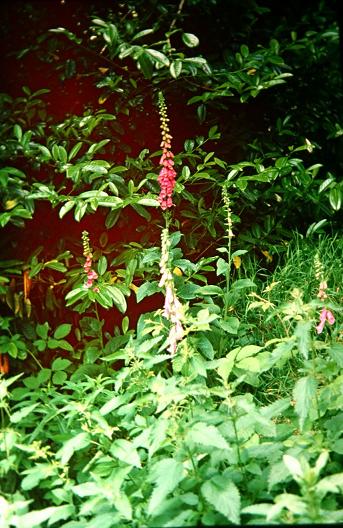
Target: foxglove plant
column 173, row 309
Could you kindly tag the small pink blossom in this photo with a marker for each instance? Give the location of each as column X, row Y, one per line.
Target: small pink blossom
column 325, row 315
column 92, row 275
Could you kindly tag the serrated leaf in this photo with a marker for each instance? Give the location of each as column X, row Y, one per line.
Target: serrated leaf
column 17, row 416
column 126, row 451
column 224, row 496
column 207, row 435
column 303, row 335
column 75, row 443
column 277, row 473
column 165, row 475
column 110, row 405
column 294, row 467
column 35, row 518
column 303, row 393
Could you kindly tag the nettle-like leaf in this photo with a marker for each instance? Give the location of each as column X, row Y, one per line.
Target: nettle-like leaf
column 80, row 441
column 206, row 435
column 125, row 451
column 304, row 394
column 165, row 475
column 224, row 496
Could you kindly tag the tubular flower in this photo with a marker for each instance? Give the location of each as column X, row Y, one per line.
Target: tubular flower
column 325, row 315
column 87, row 252
column 167, row 174
column 173, row 309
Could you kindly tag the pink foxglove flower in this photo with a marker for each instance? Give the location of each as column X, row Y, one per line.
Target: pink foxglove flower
column 325, row 315
column 167, row 174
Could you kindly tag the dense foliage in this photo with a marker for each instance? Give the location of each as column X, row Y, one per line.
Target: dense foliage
column 171, row 278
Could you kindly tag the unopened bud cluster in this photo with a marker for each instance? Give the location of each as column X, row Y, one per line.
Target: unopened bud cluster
column 229, row 223
column 167, row 174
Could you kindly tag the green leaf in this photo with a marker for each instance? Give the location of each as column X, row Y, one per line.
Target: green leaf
column 148, row 202
column 190, row 40
column 80, row 210
column 159, row 57
column 17, row 130
column 80, row 441
column 57, row 266
column 147, row 289
column 75, row 295
column 126, row 451
column 201, row 113
column 111, row 404
column 142, row 33
column 243, row 283
column 60, row 364
column 294, row 467
column 230, row 325
column 42, row 330
column 165, row 475
column 75, row 150
column 66, row 208
column 17, row 416
column 52, row 514
column 335, row 198
column 59, row 513
column 95, row 147
column 222, row 266
column 224, row 496
column 59, row 377
column 62, row 331
column 118, row 298
column 102, row 265
column 175, row 69
column 207, row 435
column 304, row 393
column 210, row 290
column 336, row 352
column 146, row 65
column 303, row 335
